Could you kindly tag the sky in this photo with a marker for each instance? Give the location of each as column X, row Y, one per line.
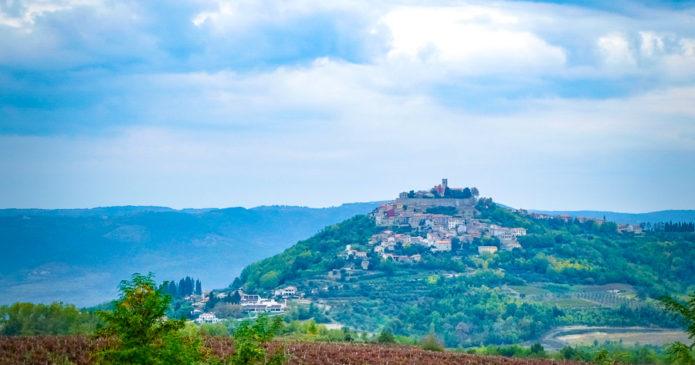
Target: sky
column 209, row 103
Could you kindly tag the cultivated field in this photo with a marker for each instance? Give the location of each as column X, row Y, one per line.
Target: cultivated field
column 585, row 335
column 76, row 350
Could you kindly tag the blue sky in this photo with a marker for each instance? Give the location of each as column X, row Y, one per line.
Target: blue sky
column 552, row 105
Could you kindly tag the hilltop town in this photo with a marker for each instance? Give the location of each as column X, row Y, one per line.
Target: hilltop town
column 443, row 222
column 438, row 220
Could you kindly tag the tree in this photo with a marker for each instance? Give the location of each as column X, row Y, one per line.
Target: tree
column 235, row 298
column 198, row 288
column 227, row 310
column 680, row 353
column 28, row 319
column 455, row 244
column 143, row 334
column 537, row 349
column 385, row 336
column 431, row 343
column 475, row 192
column 181, row 288
column 250, row 338
column 172, row 289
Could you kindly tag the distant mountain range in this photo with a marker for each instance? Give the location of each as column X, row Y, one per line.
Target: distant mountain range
column 629, row 218
column 80, row 255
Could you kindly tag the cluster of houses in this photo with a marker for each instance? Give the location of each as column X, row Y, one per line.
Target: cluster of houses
column 253, row 303
column 198, row 303
column 250, row 303
column 434, row 219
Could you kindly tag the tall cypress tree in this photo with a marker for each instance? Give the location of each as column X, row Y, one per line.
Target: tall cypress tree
column 172, row 290
column 198, row 287
column 189, row 285
column 182, row 288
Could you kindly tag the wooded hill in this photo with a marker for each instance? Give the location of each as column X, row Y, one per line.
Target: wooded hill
column 568, row 272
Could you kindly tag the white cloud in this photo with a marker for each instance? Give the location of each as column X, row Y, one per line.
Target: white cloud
column 32, row 9
column 616, row 51
column 688, row 47
column 469, row 38
column 651, row 43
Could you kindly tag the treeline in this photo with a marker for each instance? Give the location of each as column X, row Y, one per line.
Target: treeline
column 678, row 227
column 670, row 226
column 29, row 319
column 186, row 286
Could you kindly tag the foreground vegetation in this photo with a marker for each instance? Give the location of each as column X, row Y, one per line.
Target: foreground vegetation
column 135, row 330
column 79, row 350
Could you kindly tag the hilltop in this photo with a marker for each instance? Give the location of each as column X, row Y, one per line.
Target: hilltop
column 473, row 271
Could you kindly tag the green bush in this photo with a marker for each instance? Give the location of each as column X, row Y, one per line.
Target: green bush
column 385, row 337
column 143, row 334
column 250, row 338
column 28, row 319
column 431, row 343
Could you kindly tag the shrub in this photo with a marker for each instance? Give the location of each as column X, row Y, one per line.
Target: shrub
column 143, row 334
column 385, row 336
column 537, row 349
column 431, row 343
column 250, row 338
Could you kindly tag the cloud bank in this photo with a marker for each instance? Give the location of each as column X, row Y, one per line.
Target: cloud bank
column 219, row 103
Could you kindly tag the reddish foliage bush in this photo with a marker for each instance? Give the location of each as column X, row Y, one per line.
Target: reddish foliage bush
column 79, row 350
column 49, row 349
column 359, row 354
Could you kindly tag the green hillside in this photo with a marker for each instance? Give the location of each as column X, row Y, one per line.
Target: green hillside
column 568, row 272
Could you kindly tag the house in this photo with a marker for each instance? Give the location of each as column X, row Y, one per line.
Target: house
column 248, row 298
column 402, row 258
column 510, row 245
column 454, row 223
column 461, row 229
column 263, row 306
column 207, row 318
column 443, row 245
column 349, row 251
column 439, row 220
column 288, row 291
column 519, row 232
column 629, row 228
column 487, row 250
column 419, row 241
column 364, row 264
